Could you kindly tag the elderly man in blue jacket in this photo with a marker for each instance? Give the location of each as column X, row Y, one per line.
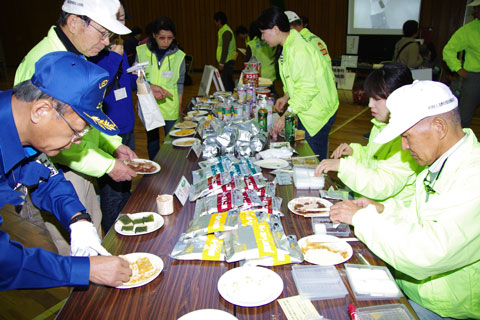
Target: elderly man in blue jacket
column 40, row 117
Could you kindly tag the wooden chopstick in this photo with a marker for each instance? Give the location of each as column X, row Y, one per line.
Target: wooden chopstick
column 291, row 159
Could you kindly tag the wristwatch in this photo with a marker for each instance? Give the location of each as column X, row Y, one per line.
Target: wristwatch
column 83, row 216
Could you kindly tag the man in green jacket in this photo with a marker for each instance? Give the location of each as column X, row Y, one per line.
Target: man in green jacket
column 297, row 24
column 466, row 38
column 84, row 27
column 433, row 244
column 226, row 50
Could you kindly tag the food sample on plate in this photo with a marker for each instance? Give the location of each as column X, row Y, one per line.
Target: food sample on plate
column 142, row 269
column 184, row 132
column 308, row 206
column 185, row 124
column 141, row 166
column 188, row 142
column 139, row 225
column 324, row 252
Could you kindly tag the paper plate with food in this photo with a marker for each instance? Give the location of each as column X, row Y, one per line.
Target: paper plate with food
column 250, row 286
column 182, row 132
column 197, row 113
column 210, row 314
column 185, row 125
column 310, row 205
column 145, row 268
column 325, row 250
column 134, row 224
column 143, row 166
column 185, row 142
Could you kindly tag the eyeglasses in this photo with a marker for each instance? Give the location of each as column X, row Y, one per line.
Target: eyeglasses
column 428, row 181
column 105, row 34
column 162, row 38
column 78, row 135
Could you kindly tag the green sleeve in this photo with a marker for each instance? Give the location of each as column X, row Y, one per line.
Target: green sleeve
column 457, row 43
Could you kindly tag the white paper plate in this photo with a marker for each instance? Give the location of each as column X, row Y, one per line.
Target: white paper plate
column 336, row 251
column 178, row 142
column 272, row 163
column 208, row 314
column 158, row 222
column 302, row 200
column 148, row 161
column 197, row 113
column 250, row 286
column 174, row 133
column 180, row 126
column 155, row 260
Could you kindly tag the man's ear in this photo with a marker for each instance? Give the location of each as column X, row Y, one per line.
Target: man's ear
column 41, row 110
column 441, row 127
column 74, row 23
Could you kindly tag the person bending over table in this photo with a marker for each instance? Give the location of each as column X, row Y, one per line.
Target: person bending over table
column 40, row 117
column 433, row 244
column 308, row 80
column 166, row 74
column 377, row 171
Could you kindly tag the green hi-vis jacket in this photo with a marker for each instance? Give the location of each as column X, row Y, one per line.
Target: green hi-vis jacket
column 317, row 43
column 434, row 245
column 309, row 82
column 380, row 171
column 266, row 55
column 93, row 156
column 466, row 38
column 165, row 75
column 232, row 46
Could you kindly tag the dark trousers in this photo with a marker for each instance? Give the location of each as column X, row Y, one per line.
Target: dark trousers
column 227, row 75
column 153, row 138
column 469, row 98
column 319, row 142
column 114, row 195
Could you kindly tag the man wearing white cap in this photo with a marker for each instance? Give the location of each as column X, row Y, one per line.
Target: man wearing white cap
column 466, row 38
column 433, row 244
column 297, row 24
column 84, row 28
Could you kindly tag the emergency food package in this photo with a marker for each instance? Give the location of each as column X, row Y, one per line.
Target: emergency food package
column 227, row 159
column 244, row 169
column 207, row 247
column 210, row 171
column 264, row 244
column 229, row 200
column 205, row 186
column 224, row 221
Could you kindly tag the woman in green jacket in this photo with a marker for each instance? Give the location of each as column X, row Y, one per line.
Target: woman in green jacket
column 377, row 171
column 166, row 74
column 309, row 84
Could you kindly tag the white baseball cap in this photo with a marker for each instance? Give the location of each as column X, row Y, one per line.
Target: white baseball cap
column 103, row 12
column 411, row 103
column 474, row 3
column 292, row 16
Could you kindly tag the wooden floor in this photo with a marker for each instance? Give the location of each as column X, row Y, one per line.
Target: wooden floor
column 352, row 122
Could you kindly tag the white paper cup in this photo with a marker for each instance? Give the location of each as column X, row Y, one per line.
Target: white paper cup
column 165, row 204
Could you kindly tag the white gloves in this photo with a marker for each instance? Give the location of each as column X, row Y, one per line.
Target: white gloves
column 84, row 240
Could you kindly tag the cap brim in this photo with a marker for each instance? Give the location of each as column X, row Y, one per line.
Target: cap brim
column 391, row 131
column 99, row 120
column 112, row 25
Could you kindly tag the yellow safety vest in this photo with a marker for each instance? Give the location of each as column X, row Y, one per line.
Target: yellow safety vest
column 232, row 47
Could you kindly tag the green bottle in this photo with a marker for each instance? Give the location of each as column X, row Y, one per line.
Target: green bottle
column 290, row 125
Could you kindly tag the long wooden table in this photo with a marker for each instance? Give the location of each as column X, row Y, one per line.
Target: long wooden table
column 185, row 286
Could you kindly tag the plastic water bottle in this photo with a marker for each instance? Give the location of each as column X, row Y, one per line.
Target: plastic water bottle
column 290, row 125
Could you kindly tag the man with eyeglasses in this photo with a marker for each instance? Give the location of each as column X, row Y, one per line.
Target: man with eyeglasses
column 44, row 116
column 84, row 28
column 433, row 244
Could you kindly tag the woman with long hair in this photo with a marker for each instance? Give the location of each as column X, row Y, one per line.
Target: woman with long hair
column 308, row 81
column 166, row 74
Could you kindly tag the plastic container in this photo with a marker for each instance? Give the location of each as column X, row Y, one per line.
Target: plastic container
column 372, row 282
column 323, row 225
column 319, row 282
column 385, row 312
column 304, row 178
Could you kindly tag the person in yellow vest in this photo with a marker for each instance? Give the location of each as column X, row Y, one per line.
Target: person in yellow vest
column 297, row 24
column 259, row 49
column 226, row 49
column 165, row 71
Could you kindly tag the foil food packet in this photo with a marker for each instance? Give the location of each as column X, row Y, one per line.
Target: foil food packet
column 218, row 222
column 227, row 159
column 218, row 203
column 205, row 186
column 210, row 171
column 266, row 243
column 207, row 247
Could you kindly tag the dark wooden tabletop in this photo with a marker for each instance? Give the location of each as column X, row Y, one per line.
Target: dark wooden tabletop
column 185, row 286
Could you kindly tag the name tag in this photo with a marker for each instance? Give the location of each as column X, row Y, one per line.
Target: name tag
column 167, row 74
column 120, row 94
